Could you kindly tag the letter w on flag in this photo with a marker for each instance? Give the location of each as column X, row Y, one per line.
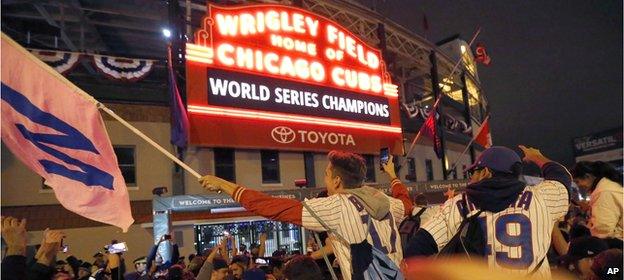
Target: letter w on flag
column 55, row 129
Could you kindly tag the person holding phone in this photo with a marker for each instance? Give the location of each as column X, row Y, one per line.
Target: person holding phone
column 116, row 266
column 155, row 263
column 350, row 209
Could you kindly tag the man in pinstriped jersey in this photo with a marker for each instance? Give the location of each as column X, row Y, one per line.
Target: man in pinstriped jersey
column 517, row 219
column 346, row 210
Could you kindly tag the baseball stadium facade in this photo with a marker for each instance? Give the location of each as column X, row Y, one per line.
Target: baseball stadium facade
column 421, row 70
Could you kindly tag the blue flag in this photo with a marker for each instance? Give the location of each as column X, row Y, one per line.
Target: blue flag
column 179, row 118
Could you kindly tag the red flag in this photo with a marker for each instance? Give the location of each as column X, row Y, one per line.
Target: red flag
column 430, row 129
column 481, row 55
column 484, row 138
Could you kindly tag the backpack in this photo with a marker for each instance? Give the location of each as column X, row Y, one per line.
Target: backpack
column 469, row 240
column 367, row 262
column 409, row 226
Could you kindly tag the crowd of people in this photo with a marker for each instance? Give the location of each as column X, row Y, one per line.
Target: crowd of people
column 498, row 226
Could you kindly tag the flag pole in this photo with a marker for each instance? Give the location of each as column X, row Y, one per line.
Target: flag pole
column 435, row 105
column 469, row 144
column 148, row 140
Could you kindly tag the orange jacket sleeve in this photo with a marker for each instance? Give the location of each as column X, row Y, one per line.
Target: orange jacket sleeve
column 399, row 191
column 277, row 209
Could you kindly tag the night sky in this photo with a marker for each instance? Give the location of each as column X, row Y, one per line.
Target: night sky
column 556, row 70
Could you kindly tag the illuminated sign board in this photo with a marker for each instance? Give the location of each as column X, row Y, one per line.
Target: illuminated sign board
column 256, row 71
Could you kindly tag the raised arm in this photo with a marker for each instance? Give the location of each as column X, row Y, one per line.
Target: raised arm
column 15, row 235
column 327, row 250
column 398, row 190
column 561, row 246
column 151, row 256
column 262, row 249
column 551, row 170
column 277, row 209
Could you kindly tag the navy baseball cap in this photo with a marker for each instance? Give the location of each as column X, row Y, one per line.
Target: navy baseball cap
column 497, row 158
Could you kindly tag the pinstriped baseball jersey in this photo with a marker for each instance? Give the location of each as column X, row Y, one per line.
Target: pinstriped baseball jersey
column 344, row 214
column 518, row 237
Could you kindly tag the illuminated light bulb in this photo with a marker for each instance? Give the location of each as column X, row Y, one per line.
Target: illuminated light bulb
column 463, row 49
column 166, row 32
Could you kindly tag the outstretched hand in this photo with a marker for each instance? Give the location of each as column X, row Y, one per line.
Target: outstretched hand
column 49, row 246
column 533, row 155
column 389, row 167
column 216, row 184
column 15, row 235
column 53, row 236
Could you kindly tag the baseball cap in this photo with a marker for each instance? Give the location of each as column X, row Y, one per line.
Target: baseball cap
column 584, row 247
column 140, row 260
column 497, row 158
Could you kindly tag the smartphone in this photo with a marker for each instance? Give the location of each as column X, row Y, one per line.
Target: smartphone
column 64, row 246
column 229, row 244
column 384, row 156
column 117, row 248
column 261, row 261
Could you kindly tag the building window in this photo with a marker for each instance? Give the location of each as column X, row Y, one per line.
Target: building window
column 127, row 163
column 370, row 168
column 270, row 167
column 411, row 170
column 308, row 164
column 429, row 169
column 224, row 164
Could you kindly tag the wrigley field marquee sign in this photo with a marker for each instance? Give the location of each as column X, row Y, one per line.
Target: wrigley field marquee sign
column 272, row 76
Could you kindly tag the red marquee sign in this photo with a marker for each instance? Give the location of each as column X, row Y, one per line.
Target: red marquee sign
column 279, row 77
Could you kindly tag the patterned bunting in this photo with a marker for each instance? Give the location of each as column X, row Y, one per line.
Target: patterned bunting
column 123, row 68
column 62, row 62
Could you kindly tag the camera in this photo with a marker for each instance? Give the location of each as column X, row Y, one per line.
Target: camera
column 116, row 248
column 384, row 156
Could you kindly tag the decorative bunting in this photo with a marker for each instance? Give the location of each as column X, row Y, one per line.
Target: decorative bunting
column 123, row 68
column 62, row 62
column 119, row 68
